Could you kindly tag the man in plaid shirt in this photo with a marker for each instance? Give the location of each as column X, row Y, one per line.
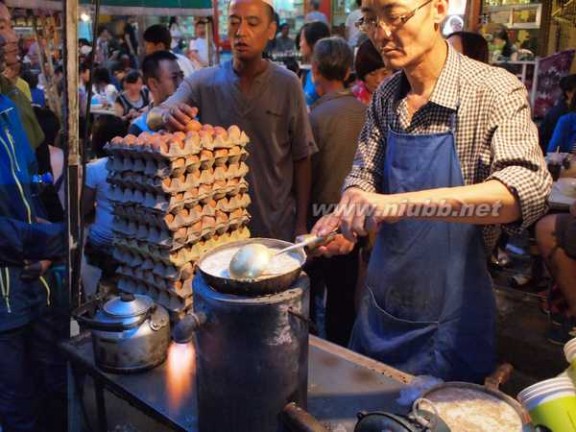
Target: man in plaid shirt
column 447, row 156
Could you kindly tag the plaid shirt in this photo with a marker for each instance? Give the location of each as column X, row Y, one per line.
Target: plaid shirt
column 495, row 136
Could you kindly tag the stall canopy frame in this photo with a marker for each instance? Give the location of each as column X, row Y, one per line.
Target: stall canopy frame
column 126, row 7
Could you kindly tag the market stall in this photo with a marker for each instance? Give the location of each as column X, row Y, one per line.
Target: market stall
column 181, row 200
column 73, row 133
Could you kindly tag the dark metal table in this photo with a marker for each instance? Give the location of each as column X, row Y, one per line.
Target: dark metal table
column 341, row 383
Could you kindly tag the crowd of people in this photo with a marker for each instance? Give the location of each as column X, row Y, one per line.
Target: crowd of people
column 393, row 114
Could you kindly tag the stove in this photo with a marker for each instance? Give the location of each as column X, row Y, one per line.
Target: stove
column 252, row 356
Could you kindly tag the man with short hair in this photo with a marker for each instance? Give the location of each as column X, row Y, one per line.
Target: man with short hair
column 29, row 122
column 158, row 38
column 162, row 76
column 315, row 14
column 264, row 100
column 199, row 51
column 32, row 372
column 448, row 154
column 352, row 33
column 283, row 43
column 337, row 118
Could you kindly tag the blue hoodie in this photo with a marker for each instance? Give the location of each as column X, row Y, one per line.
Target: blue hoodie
column 21, row 236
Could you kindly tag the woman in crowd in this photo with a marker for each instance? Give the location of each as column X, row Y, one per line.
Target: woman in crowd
column 564, row 136
column 307, row 38
column 370, row 71
column 567, row 86
column 134, row 99
column 176, row 33
column 470, row 44
column 96, row 196
column 508, row 50
column 103, row 86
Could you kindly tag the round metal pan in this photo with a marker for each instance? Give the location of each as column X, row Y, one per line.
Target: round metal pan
column 522, row 414
column 266, row 284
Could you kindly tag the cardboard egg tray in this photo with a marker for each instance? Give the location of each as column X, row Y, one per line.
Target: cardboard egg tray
column 188, row 215
column 134, row 253
column 203, row 229
column 177, row 184
column 180, row 287
column 169, row 145
column 206, row 159
column 168, row 299
column 176, row 196
column 170, row 203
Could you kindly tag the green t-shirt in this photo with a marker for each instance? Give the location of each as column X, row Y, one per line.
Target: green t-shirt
column 33, row 130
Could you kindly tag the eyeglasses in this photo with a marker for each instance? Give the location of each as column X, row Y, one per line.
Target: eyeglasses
column 369, row 25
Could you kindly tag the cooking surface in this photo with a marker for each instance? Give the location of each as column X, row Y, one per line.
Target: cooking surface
column 218, row 263
column 341, row 383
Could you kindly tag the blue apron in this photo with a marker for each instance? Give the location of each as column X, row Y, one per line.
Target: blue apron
column 428, row 308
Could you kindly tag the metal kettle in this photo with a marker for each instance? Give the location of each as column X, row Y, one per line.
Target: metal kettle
column 130, row 333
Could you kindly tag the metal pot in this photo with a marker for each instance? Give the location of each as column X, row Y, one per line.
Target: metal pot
column 130, row 333
column 523, row 416
column 269, row 284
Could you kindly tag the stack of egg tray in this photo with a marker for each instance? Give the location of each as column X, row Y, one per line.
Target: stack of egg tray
column 176, row 196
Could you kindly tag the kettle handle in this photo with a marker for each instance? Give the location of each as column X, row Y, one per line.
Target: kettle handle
column 80, row 312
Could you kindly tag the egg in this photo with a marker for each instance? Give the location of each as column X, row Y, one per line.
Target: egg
column 193, row 126
column 208, row 128
column 248, row 260
column 234, row 132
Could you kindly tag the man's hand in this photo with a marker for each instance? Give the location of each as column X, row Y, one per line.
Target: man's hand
column 358, row 214
column 362, row 212
column 178, row 116
column 339, row 246
column 34, row 269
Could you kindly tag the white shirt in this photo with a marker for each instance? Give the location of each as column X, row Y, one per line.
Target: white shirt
column 316, row 16
column 101, row 230
column 176, row 34
column 201, row 45
column 185, row 64
column 353, row 32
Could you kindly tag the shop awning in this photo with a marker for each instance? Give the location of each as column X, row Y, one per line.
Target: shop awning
column 154, row 7
column 128, row 7
column 566, row 13
column 36, row 4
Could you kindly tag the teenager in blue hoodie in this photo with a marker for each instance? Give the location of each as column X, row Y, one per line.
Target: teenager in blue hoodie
column 28, row 245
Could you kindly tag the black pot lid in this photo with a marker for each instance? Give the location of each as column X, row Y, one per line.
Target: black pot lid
column 128, row 305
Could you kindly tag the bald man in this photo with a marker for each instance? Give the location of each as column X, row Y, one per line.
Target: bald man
column 264, row 100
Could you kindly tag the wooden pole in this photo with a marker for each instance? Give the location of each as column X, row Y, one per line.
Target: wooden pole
column 46, row 64
column 72, row 148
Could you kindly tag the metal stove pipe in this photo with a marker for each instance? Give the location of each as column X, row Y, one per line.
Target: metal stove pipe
column 183, row 330
column 298, row 420
column 252, row 357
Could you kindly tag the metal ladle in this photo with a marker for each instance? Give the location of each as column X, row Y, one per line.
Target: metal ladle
column 250, row 261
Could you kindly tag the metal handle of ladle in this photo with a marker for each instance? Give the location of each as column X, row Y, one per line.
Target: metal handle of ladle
column 309, row 240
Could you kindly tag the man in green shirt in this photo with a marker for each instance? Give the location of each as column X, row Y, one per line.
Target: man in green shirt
column 29, row 122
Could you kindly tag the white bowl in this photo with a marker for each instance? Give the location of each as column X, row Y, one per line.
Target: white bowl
column 567, row 186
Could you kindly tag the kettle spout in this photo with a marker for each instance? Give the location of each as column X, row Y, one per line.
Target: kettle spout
column 184, row 329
